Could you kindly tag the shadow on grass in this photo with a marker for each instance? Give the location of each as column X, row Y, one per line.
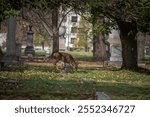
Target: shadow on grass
column 124, row 91
column 73, row 89
column 47, row 89
column 141, row 70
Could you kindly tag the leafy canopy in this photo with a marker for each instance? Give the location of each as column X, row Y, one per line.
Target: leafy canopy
column 124, row 10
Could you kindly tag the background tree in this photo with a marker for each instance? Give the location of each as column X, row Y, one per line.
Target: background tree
column 127, row 15
column 39, row 40
column 83, row 34
column 101, row 28
column 47, row 16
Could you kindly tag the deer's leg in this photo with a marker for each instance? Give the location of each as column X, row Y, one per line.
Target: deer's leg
column 55, row 64
column 71, row 66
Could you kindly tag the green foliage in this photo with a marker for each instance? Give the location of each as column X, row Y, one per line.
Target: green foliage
column 103, row 27
column 144, row 20
column 82, row 55
column 83, row 34
column 11, row 12
column 9, row 8
column 123, row 10
column 40, row 53
column 39, row 39
column 41, row 4
column 44, row 4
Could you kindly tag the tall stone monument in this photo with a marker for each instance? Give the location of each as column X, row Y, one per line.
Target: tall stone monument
column 13, row 52
column 115, row 47
column 11, row 43
column 29, row 50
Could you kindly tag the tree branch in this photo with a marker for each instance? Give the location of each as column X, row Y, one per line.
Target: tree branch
column 64, row 17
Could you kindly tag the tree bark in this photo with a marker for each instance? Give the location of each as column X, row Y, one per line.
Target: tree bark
column 42, row 44
column 86, row 43
column 1, row 55
column 55, row 29
column 128, row 31
column 99, row 50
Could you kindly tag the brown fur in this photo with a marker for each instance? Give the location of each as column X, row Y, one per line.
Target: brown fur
column 66, row 58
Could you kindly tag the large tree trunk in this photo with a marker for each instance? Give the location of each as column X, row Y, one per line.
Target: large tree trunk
column 128, row 31
column 99, row 50
column 55, row 29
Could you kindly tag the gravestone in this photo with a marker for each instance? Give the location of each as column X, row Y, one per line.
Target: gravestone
column 11, row 57
column 115, row 47
column 101, row 96
column 141, row 45
column 29, row 50
column 18, row 49
column 11, row 43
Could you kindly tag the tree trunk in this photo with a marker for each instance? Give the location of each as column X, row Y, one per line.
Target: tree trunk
column 0, row 25
column 42, row 44
column 128, row 31
column 55, row 29
column 86, row 44
column 99, row 50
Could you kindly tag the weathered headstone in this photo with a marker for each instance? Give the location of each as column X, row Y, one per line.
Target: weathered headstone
column 29, row 50
column 18, row 49
column 13, row 54
column 10, row 57
column 11, row 43
column 101, row 96
column 147, row 44
column 141, row 45
column 115, row 48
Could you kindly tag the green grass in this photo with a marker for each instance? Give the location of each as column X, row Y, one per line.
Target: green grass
column 81, row 55
column 42, row 82
column 147, row 58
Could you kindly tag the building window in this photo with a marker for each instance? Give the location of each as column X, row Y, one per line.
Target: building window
column 73, row 29
column 73, row 40
column 74, row 18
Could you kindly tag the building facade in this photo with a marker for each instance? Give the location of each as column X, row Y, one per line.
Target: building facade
column 71, row 22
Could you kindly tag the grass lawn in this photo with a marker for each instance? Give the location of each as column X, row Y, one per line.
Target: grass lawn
column 40, row 81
